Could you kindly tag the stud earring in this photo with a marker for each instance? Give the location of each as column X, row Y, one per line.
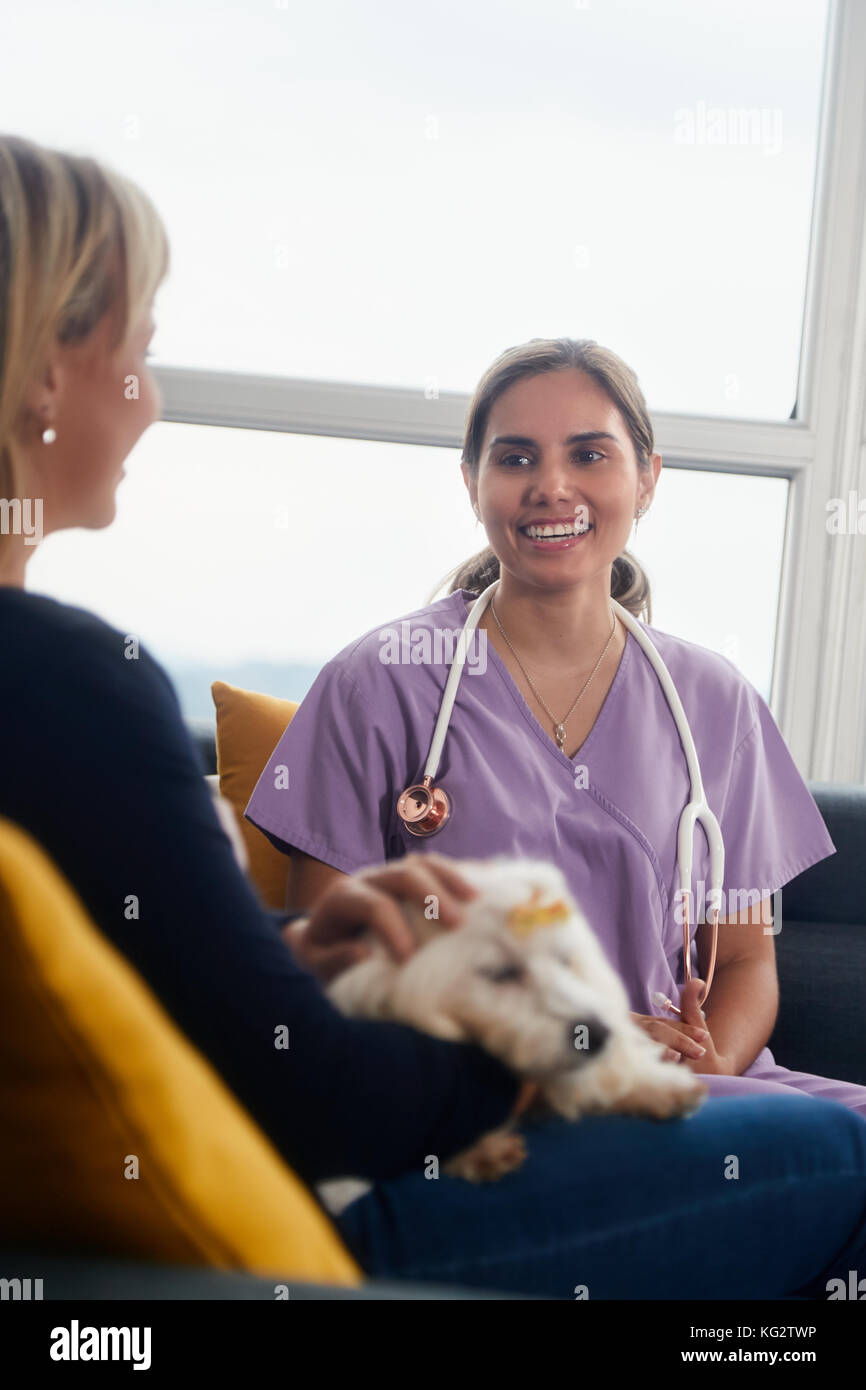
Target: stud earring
column 49, row 434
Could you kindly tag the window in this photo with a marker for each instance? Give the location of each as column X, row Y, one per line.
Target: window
column 253, row 557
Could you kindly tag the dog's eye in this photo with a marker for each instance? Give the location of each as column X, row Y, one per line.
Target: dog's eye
column 503, row 974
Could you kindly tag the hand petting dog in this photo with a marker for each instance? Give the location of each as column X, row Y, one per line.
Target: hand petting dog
column 330, row 939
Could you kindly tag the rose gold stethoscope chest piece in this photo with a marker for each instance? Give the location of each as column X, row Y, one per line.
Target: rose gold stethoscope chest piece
column 424, row 809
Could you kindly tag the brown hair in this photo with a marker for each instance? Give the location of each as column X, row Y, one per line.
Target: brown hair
column 629, row 584
column 76, row 240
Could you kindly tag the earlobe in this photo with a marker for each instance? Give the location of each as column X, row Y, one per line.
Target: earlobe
column 42, row 396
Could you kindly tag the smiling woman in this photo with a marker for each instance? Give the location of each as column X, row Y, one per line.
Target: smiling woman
column 546, row 383
column 566, row 747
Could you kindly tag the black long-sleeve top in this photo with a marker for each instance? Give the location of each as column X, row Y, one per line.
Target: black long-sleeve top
column 96, row 763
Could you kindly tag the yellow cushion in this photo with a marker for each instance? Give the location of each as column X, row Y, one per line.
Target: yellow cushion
column 96, row 1079
column 248, row 728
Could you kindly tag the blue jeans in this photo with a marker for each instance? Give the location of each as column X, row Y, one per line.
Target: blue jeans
column 633, row 1208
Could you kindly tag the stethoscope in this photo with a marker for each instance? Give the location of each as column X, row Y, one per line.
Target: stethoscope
column 425, row 809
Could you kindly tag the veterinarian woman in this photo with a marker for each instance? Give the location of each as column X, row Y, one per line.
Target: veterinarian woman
column 561, row 743
column 97, row 765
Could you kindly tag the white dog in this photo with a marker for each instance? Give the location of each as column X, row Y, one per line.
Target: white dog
column 525, row 978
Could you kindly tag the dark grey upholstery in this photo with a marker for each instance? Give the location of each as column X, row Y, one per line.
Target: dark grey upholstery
column 821, row 949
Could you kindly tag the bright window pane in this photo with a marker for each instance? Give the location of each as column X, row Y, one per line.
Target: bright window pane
column 396, row 192
column 252, row 557
column 712, row 547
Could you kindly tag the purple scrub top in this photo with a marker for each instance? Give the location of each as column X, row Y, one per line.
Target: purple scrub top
column 607, row 817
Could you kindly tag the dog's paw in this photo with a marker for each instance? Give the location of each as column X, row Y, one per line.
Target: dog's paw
column 495, row 1154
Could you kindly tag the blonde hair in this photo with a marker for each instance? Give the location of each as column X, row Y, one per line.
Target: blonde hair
column 629, row 584
column 76, row 240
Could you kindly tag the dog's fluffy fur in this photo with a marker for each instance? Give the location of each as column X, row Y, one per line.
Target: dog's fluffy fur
column 525, row 978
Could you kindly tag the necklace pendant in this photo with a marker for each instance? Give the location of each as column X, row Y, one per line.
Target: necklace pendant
column 560, row 735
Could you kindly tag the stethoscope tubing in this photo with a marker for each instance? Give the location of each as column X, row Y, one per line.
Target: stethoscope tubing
column 696, row 811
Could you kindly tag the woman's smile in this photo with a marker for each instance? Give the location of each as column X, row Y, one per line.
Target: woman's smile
column 555, row 535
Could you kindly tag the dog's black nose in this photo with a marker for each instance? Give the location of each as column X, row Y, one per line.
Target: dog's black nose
column 589, row 1036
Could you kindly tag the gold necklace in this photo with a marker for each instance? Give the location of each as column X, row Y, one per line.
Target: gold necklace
column 558, row 724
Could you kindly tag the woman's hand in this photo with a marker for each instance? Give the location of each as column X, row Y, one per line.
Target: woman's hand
column 686, row 1038
column 714, row 1063
column 328, row 941
column 681, row 1036
column 677, row 1039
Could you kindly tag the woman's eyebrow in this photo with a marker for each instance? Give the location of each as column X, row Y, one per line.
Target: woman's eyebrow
column 583, row 438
